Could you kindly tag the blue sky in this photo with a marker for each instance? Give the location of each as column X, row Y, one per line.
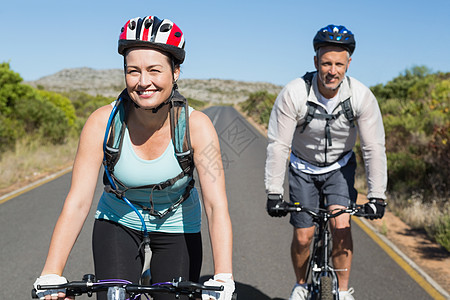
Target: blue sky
column 261, row 40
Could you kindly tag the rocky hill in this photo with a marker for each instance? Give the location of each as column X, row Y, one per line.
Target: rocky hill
column 110, row 82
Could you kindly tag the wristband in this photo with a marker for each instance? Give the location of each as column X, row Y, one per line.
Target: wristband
column 223, row 276
column 275, row 197
column 379, row 201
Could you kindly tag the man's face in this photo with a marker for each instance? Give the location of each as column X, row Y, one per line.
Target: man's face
column 331, row 64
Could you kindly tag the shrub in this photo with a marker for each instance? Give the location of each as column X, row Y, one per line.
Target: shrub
column 197, row 104
column 43, row 118
column 62, row 103
column 11, row 89
column 440, row 231
column 407, row 172
column 9, row 132
column 86, row 104
column 417, row 125
column 259, row 106
column 442, row 235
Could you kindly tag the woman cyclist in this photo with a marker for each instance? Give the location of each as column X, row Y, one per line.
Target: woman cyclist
column 147, row 201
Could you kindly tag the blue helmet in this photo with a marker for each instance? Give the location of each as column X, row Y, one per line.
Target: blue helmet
column 334, row 35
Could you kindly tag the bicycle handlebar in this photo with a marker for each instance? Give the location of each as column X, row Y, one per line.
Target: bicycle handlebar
column 89, row 286
column 357, row 210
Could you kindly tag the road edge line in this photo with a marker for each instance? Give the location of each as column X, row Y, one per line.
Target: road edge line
column 410, row 267
column 33, row 185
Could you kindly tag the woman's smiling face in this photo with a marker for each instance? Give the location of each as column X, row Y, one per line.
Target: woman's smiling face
column 149, row 76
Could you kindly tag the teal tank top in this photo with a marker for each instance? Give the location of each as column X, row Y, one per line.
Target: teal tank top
column 134, row 171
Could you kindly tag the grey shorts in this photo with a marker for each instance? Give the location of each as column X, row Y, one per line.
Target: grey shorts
column 336, row 187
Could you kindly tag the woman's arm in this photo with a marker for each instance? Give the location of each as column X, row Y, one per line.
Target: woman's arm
column 79, row 199
column 208, row 161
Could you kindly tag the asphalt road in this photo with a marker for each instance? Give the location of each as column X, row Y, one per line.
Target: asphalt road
column 261, row 259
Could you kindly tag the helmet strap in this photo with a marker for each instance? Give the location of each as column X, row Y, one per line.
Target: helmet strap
column 167, row 101
column 155, row 109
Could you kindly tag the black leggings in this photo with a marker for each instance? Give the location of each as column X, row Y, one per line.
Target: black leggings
column 117, row 255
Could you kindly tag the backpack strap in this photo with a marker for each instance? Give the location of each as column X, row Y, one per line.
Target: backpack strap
column 114, row 133
column 311, row 107
column 310, row 114
column 308, row 80
column 179, row 121
column 346, row 105
column 346, row 110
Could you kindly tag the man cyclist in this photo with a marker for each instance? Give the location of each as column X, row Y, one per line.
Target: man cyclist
column 318, row 117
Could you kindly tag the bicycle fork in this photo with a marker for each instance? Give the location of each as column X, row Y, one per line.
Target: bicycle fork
column 324, row 280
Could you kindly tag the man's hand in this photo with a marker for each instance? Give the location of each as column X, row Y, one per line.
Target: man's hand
column 375, row 207
column 274, row 201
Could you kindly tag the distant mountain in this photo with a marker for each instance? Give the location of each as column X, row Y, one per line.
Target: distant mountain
column 111, row 82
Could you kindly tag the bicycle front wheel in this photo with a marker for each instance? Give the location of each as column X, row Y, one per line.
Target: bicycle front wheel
column 326, row 288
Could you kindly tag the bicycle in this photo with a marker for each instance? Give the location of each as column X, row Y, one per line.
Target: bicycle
column 321, row 276
column 119, row 289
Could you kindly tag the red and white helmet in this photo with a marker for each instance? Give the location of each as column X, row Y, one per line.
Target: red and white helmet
column 153, row 33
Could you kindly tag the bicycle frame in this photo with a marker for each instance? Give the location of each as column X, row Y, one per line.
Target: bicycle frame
column 322, row 277
column 319, row 265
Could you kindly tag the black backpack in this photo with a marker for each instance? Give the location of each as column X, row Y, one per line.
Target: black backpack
column 179, row 126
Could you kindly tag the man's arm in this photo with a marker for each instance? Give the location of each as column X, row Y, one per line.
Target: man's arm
column 372, row 136
column 282, row 124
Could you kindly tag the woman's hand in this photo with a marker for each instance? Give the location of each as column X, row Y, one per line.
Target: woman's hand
column 51, row 279
column 222, row 279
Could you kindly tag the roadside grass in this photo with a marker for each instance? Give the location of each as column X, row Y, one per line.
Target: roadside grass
column 31, row 160
column 433, row 217
column 418, row 214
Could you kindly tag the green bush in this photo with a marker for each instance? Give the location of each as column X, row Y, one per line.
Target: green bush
column 440, row 231
column 62, row 103
column 407, row 172
column 258, row 106
column 9, row 132
column 28, row 111
column 197, row 104
column 10, row 89
column 86, row 104
column 400, row 87
column 415, row 109
column 40, row 116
